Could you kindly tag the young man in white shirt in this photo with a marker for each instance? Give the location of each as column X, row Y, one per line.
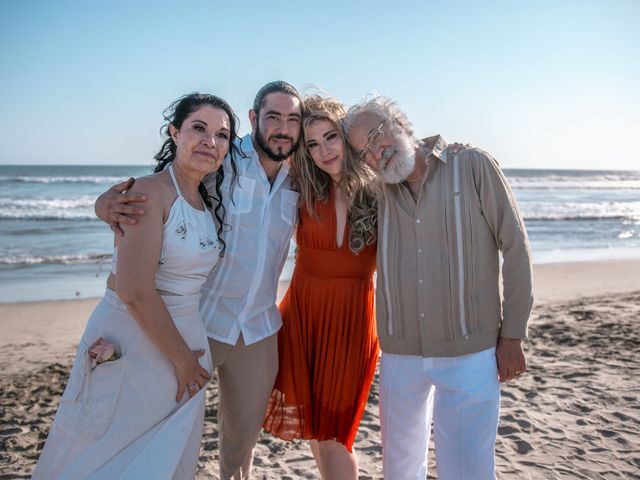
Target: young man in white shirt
column 238, row 300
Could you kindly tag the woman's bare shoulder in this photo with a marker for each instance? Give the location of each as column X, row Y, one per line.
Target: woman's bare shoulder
column 156, row 185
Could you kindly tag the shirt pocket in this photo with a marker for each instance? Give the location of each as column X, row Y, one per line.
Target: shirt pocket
column 243, row 192
column 89, row 402
column 289, row 206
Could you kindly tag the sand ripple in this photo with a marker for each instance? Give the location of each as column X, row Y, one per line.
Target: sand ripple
column 574, row 415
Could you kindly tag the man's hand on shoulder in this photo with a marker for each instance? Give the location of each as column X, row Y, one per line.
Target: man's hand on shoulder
column 112, row 207
column 456, row 147
column 510, row 358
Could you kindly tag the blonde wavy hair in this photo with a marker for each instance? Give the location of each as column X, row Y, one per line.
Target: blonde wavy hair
column 357, row 184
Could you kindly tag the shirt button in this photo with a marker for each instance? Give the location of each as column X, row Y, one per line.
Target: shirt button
column 418, row 220
column 466, row 337
column 420, row 282
column 419, row 250
column 421, row 314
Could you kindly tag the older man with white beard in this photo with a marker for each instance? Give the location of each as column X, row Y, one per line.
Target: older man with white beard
column 447, row 332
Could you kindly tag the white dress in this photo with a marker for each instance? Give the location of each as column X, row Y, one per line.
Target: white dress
column 121, row 420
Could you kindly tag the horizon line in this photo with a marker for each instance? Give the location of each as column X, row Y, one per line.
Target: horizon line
column 152, row 164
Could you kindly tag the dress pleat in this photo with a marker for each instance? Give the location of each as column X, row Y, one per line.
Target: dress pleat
column 328, row 347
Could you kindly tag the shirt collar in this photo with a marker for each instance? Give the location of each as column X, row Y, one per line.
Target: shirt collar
column 436, row 147
column 246, row 144
column 249, row 150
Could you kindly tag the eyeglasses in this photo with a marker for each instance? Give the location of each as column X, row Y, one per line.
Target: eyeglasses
column 373, row 140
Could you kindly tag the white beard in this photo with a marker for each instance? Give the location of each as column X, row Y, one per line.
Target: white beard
column 402, row 157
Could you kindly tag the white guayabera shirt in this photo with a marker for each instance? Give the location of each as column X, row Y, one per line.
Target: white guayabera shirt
column 239, row 295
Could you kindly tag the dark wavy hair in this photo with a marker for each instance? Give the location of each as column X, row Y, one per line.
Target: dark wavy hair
column 278, row 86
column 175, row 115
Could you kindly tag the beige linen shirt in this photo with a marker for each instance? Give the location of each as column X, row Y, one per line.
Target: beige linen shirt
column 438, row 259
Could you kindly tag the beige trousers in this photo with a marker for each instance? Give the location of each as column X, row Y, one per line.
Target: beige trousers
column 246, row 374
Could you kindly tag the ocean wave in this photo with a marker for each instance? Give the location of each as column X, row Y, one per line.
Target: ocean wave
column 63, row 216
column 584, row 218
column 26, row 259
column 79, row 208
column 559, row 182
column 110, row 180
column 63, row 203
column 629, row 211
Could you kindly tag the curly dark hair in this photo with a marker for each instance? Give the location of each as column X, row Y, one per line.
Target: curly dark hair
column 175, row 115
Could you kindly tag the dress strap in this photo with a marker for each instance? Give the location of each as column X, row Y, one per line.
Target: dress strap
column 173, row 179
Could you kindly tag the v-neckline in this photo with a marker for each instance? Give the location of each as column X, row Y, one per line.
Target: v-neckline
column 332, row 199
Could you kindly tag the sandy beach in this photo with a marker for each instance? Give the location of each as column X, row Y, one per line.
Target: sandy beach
column 574, row 414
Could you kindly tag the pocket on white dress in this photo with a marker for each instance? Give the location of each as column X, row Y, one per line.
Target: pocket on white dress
column 86, row 409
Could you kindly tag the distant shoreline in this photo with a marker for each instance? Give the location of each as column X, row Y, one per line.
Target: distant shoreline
column 152, row 164
column 553, row 281
column 79, row 282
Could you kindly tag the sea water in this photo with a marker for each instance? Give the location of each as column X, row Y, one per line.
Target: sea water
column 53, row 247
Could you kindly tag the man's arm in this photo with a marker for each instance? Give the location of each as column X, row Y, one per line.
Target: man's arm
column 112, row 207
column 501, row 211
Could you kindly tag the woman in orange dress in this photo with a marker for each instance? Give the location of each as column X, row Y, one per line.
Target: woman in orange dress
column 328, row 347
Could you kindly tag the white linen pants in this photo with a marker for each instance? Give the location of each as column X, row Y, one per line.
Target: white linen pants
column 463, row 396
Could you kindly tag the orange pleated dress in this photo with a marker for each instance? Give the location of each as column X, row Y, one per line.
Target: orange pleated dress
column 328, row 346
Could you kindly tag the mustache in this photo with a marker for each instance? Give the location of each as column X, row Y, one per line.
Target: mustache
column 387, row 153
column 280, row 136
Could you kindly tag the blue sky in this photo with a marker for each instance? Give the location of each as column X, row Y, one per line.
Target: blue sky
column 539, row 84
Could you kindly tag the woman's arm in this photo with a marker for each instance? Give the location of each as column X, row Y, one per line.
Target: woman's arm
column 138, row 256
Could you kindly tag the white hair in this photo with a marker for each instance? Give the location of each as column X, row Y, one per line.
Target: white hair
column 385, row 109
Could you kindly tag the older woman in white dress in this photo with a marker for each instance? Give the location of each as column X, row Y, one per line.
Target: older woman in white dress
column 141, row 415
